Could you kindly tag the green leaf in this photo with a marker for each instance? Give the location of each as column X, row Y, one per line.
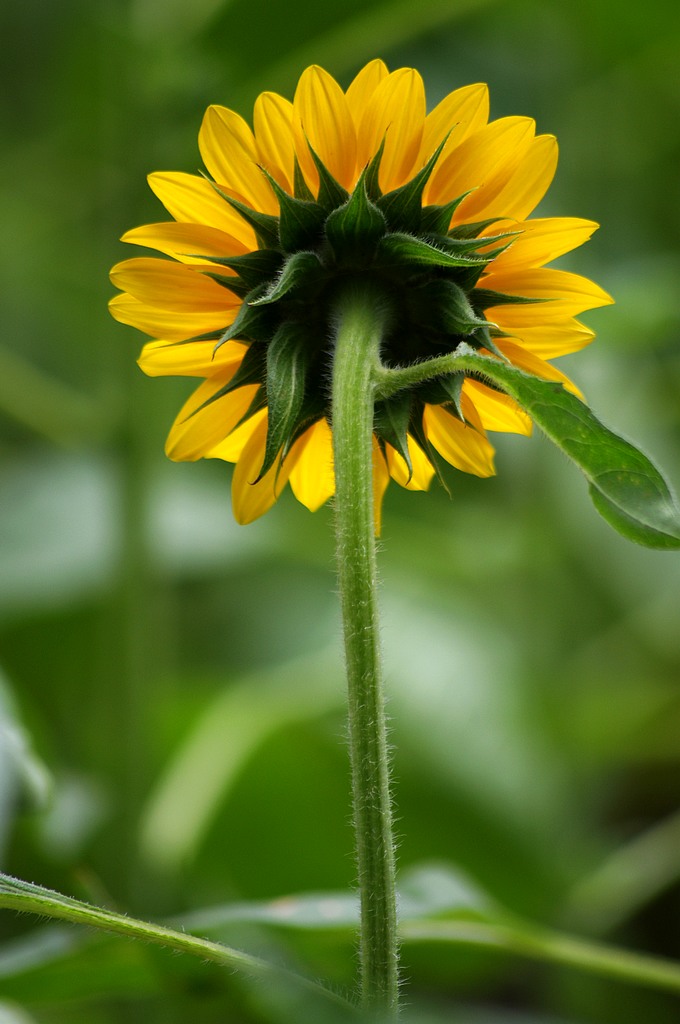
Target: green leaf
column 626, row 488
column 25, row 897
column 426, row 891
column 357, row 225
column 186, row 800
column 391, row 422
column 408, row 250
column 288, row 358
column 535, row 943
column 25, row 783
column 299, row 269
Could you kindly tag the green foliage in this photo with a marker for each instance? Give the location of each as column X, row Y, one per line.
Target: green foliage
column 626, row 488
column 532, row 656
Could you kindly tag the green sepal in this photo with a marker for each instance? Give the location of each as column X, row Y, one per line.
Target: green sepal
column 390, row 423
column 357, row 226
column 482, row 338
column 251, row 324
column 407, row 250
column 372, row 172
column 253, row 268
column 313, row 408
column 234, row 284
column 484, row 299
column 288, row 359
column 300, row 269
column 259, row 401
column 209, row 336
column 250, row 371
column 451, row 244
column 300, row 221
column 301, row 189
column 452, row 308
column 331, row 193
column 626, row 488
column 403, row 206
column 417, row 432
column 445, row 390
column 472, row 230
column 436, row 220
column 265, row 226
column 469, row 278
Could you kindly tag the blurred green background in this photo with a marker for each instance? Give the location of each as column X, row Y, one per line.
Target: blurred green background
column 171, row 697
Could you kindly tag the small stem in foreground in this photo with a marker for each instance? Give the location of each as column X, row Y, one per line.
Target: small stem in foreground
column 359, row 327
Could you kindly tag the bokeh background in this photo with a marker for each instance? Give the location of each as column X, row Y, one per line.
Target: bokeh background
column 171, row 697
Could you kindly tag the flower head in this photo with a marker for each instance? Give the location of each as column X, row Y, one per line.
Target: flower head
column 338, row 185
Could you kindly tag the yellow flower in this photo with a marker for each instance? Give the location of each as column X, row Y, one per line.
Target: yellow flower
column 432, row 207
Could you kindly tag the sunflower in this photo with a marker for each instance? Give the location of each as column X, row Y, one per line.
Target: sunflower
column 432, row 208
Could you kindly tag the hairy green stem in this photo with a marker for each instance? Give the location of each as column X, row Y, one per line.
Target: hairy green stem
column 389, row 381
column 359, row 328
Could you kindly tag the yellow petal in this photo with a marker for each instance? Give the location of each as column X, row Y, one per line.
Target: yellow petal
column 273, row 123
column 381, row 478
column 564, row 295
column 231, row 449
column 396, row 113
column 541, row 240
column 228, row 150
column 194, row 433
column 172, row 286
column 312, row 478
column 249, row 499
column 323, row 117
column 538, row 367
column 527, row 184
column 188, row 243
column 187, row 197
column 547, row 341
column 496, row 411
column 189, row 359
column 167, row 323
column 363, row 87
column 461, row 445
column 461, row 113
column 423, row 470
column 483, row 162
